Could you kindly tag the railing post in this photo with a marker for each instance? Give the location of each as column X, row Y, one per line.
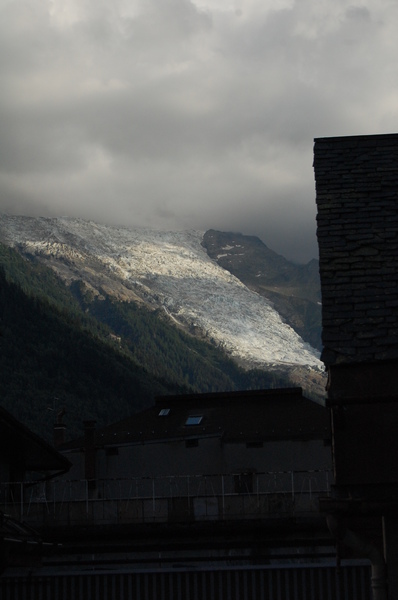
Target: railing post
column 292, row 476
column 206, row 494
column 21, row 495
column 53, row 483
column 104, row 499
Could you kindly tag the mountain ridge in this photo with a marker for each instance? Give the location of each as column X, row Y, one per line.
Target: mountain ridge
column 167, row 270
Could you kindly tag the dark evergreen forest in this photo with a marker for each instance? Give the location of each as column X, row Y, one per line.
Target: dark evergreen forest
column 97, row 359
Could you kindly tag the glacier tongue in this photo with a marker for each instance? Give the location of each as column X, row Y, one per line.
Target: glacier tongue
column 171, row 270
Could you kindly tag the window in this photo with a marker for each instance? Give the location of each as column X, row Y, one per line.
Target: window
column 164, row 412
column 194, row 420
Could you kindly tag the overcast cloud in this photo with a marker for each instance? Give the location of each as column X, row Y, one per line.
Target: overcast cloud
column 180, row 114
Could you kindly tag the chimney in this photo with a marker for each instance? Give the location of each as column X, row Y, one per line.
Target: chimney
column 59, row 434
column 89, row 453
column 59, row 429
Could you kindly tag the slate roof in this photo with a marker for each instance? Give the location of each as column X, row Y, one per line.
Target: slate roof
column 19, row 444
column 12, row 531
column 250, row 416
column 357, row 199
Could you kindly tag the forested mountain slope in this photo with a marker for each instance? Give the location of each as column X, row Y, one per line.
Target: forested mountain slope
column 96, row 358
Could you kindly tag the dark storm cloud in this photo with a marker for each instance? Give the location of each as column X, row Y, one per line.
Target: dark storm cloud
column 179, row 113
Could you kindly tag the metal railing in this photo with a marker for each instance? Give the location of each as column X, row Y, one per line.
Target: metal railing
column 166, row 498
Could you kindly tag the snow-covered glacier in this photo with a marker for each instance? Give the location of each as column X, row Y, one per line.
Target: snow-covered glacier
column 168, row 270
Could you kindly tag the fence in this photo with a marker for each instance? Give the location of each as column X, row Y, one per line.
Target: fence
column 164, row 499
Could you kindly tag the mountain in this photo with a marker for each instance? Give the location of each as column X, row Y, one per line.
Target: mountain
column 53, row 360
column 155, row 301
column 293, row 289
column 58, row 355
column 169, row 271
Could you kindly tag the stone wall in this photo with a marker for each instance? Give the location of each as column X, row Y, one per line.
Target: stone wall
column 357, row 201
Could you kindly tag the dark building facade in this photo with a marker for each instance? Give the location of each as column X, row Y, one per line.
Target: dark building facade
column 357, row 202
column 241, row 433
column 199, row 496
column 24, row 457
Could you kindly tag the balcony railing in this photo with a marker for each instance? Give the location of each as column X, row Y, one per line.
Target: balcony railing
column 166, row 498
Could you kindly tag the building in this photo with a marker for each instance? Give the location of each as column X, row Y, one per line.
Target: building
column 357, row 200
column 195, row 496
column 24, row 455
column 24, row 458
column 208, row 434
column 253, row 455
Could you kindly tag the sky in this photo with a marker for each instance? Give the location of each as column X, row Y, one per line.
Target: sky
column 180, row 114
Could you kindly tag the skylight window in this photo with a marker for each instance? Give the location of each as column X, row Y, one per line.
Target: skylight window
column 164, row 412
column 194, row 420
